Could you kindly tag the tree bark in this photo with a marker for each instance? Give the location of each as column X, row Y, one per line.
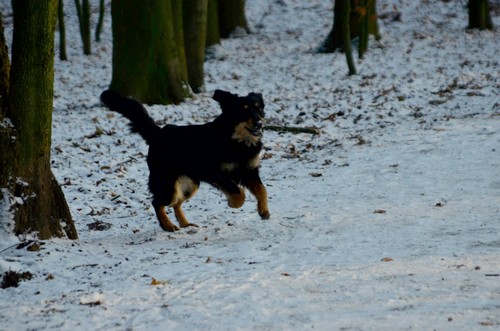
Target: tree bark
column 479, row 15
column 195, row 33
column 231, row 16
column 146, row 60
column 40, row 204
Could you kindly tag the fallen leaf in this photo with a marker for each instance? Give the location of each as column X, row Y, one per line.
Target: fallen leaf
column 155, row 282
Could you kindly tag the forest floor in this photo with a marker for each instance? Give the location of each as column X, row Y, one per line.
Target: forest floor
column 387, row 219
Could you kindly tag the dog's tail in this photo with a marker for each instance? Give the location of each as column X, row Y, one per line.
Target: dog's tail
column 142, row 123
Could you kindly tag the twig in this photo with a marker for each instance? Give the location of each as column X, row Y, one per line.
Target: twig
column 292, row 129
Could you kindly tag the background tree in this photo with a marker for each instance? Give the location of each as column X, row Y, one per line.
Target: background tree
column 83, row 11
column 4, row 74
column 231, row 15
column 147, row 60
column 25, row 170
column 479, row 15
column 100, row 21
column 159, row 46
column 195, row 34
column 213, row 31
column 344, row 17
column 62, row 31
column 362, row 23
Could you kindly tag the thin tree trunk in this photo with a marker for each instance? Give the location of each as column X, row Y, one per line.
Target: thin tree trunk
column 62, row 31
column 363, row 29
column 100, row 21
column 43, row 209
column 347, row 36
column 479, row 15
column 195, row 25
column 83, row 12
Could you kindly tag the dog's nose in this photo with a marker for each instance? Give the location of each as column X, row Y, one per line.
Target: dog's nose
column 257, row 125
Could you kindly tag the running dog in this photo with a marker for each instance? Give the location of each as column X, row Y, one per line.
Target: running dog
column 223, row 153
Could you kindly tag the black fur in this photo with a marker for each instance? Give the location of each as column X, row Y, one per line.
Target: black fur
column 224, row 153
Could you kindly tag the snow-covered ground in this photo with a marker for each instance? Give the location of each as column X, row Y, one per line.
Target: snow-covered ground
column 389, row 219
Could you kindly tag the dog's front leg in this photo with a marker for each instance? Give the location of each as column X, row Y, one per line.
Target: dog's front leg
column 235, row 194
column 254, row 184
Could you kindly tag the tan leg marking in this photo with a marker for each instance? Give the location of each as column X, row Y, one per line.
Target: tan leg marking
column 181, row 218
column 165, row 222
column 259, row 191
column 236, row 200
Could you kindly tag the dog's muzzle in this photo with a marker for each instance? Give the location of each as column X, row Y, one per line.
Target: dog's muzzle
column 257, row 129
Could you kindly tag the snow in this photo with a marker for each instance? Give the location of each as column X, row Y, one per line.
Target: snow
column 388, row 219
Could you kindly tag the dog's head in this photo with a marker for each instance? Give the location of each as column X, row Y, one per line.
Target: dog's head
column 245, row 115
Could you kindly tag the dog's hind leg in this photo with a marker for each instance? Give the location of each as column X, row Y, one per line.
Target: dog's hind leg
column 163, row 189
column 165, row 222
column 185, row 188
column 181, row 218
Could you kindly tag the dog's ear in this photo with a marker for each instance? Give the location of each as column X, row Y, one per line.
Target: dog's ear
column 224, row 98
column 257, row 95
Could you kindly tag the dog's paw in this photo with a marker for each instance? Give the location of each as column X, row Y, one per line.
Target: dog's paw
column 265, row 215
column 169, row 227
column 236, row 200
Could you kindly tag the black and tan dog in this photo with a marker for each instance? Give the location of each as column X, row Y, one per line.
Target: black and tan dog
column 223, row 153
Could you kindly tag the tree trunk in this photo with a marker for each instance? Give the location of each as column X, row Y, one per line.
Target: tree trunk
column 195, row 33
column 40, row 204
column 100, row 21
column 83, row 12
column 213, row 31
column 62, row 31
column 344, row 16
column 4, row 72
column 146, row 60
column 5, row 129
column 231, row 16
column 362, row 23
column 479, row 15
column 178, row 23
